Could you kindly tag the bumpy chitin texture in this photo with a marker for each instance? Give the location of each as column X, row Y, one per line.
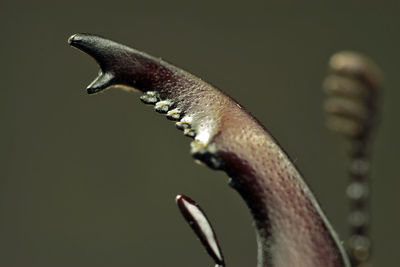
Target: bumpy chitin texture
column 290, row 226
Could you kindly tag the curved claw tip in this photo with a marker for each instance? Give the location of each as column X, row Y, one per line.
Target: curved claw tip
column 76, row 40
column 103, row 81
column 104, row 52
column 72, row 39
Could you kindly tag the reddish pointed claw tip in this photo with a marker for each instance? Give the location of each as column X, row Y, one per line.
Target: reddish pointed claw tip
column 200, row 224
column 178, row 198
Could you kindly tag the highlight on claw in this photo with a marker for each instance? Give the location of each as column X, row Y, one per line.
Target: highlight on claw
column 201, row 226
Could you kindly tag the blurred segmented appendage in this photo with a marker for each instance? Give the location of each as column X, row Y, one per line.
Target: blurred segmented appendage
column 353, row 89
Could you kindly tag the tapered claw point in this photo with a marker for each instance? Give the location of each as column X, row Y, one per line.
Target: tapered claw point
column 117, row 62
column 73, row 38
column 198, row 221
column 128, row 68
column 103, row 81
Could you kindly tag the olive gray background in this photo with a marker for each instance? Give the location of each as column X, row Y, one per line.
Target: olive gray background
column 91, row 180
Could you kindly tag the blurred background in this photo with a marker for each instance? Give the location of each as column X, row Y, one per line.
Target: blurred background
column 91, row 180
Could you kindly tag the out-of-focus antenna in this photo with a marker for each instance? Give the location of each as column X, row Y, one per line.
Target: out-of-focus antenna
column 354, row 89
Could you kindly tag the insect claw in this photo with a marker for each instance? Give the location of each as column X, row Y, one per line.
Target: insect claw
column 228, row 138
column 201, row 226
column 103, row 81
